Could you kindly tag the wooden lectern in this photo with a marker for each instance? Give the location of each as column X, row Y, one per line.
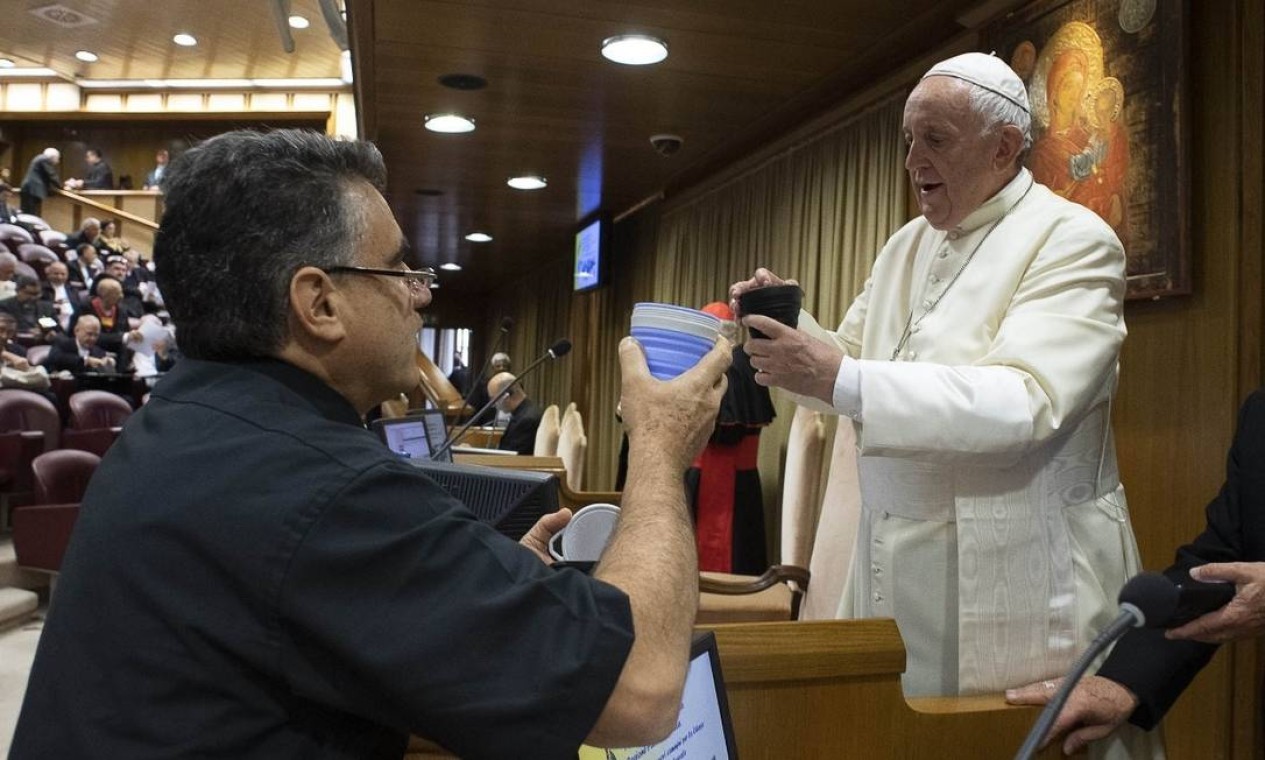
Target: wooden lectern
column 830, row 690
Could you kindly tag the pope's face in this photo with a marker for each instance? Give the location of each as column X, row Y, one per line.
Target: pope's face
column 950, row 159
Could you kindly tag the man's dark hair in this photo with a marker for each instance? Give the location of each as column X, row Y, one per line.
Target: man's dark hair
column 25, row 281
column 244, row 211
column 96, row 152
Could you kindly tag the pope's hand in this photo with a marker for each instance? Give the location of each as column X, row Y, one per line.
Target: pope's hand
column 791, row 359
column 1095, row 708
column 762, row 278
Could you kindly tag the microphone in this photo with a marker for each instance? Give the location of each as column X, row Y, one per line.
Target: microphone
column 506, row 324
column 1192, row 599
column 1148, row 599
column 559, row 349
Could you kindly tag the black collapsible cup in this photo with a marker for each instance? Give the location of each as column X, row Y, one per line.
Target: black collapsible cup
column 780, row 302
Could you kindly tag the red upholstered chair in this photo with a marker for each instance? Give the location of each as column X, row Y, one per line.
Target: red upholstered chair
column 62, row 476
column 37, row 256
column 25, row 411
column 36, row 223
column 38, row 354
column 13, row 236
column 42, row 532
column 96, row 419
column 29, row 426
column 52, row 237
column 23, row 268
column 98, row 409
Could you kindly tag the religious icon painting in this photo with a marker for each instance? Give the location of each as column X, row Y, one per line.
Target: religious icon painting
column 1105, row 79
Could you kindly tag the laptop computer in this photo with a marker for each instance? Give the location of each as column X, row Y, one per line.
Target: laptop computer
column 414, row 437
column 704, row 729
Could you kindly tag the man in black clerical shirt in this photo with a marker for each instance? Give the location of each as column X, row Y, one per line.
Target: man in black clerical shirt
column 254, row 575
column 525, row 414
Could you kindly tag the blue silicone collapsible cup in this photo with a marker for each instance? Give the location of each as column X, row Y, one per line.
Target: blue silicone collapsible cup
column 670, row 347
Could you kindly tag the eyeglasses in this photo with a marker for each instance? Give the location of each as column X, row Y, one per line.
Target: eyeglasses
column 418, row 279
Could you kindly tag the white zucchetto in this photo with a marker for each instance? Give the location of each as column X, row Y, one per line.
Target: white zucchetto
column 987, row 71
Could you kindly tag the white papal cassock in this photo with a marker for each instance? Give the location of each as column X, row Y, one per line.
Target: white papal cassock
column 994, row 527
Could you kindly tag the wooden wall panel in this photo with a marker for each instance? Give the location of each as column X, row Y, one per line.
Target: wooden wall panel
column 129, row 143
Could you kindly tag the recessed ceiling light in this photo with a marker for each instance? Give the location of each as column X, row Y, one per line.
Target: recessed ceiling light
column 479, row 237
column 449, row 123
column 87, row 56
column 299, row 22
column 6, row 63
column 634, row 49
column 528, row 182
column 185, row 40
column 451, row 266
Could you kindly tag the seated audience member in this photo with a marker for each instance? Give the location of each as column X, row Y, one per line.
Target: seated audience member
column 80, row 352
column 1149, row 668
column 116, row 268
column 58, row 292
column 108, row 241
column 9, row 208
column 147, row 364
column 313, row 595
column 88, row 232
column 524, row 414
column 26, row 307
column 18, row 371
column 86, row 266
column 8, row 271
column 11, row 354
column 107, row 307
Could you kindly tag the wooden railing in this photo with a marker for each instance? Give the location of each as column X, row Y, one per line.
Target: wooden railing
column 135, row 211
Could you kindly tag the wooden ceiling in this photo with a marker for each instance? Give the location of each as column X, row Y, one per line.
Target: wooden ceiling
column 237, row 39
column 738, row 71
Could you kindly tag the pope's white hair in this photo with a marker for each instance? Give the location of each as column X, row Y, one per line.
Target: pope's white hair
column 999, row 111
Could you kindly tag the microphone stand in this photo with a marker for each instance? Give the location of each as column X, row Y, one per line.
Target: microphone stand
column 1130, row 617
column 454, row 439
column 484, row 370
column 556, row 350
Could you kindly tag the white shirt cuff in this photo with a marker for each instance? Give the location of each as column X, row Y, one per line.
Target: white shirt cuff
column 847, row 394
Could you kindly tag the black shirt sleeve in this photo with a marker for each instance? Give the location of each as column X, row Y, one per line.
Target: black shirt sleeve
column 1154, row 668
column 401, row 607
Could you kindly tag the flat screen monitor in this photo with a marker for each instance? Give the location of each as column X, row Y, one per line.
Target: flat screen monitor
column 414, row 436
column 704, row 730
column 509, row 500
column 591, row 258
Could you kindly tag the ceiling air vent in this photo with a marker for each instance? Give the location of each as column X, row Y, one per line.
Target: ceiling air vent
column 67, row 18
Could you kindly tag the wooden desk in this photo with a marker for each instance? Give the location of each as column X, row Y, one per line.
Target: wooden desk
column 480, row 437
column 827, row 690
column 552, row 465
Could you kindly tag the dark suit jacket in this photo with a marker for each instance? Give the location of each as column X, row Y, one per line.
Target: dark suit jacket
column 40, row 177
column 77, row 276
column 28, row 316
column 111, row 339
column 64, row 355
column 99, row 177
column 520, row 433
column 1151, row 666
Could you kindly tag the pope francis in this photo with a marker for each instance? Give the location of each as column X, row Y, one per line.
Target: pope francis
column 978, row 367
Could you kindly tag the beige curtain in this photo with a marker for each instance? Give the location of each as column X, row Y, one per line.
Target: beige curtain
column 818, row 212
column 540, row 318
